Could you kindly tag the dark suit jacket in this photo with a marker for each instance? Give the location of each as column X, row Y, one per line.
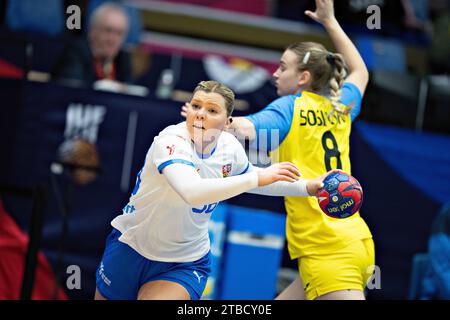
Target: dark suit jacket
column 77, row 63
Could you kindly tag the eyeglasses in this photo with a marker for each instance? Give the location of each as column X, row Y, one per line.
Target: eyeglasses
column 111, row 30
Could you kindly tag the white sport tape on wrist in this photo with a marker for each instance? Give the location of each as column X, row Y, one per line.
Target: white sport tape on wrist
column 302, row 188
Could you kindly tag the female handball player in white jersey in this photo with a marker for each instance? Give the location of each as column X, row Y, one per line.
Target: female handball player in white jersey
column 159, row 247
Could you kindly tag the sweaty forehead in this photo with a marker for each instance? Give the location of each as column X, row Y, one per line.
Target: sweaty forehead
column 209, row 98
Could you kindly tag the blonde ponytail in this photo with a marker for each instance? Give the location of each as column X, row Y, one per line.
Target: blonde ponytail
column 337, row 81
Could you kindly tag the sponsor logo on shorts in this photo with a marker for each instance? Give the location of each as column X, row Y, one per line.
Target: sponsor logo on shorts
column 199, row 276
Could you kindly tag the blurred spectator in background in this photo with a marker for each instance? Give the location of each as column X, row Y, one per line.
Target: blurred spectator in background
column 439, row 51
column 436, row 280
column 100, row 56
column 415, row 14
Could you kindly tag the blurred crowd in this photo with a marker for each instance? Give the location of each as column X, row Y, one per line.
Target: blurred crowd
column 421, row 22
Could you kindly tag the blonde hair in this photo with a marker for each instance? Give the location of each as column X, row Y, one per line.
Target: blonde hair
column 223, row 90
column 326, row 68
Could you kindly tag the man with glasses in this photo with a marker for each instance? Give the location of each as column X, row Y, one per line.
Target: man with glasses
column 100, row 55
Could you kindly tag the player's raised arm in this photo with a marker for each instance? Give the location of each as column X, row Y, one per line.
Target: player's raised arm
column 324, row 14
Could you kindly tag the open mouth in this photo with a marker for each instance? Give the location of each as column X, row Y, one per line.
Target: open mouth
column 197, row 126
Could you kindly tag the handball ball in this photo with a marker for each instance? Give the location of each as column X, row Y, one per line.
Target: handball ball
column 341, row 195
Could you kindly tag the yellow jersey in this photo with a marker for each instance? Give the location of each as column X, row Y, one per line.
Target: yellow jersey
column 316, row 143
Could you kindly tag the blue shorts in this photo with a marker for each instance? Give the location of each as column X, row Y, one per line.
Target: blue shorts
column 123, row 271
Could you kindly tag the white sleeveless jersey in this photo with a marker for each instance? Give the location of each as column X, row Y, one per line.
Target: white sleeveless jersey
column 157, row 222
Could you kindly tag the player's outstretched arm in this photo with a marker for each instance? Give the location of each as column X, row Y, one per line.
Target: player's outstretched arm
column 299, row 188
column 324, row 14
column 197, row 191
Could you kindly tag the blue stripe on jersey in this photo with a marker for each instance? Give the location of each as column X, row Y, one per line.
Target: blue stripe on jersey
column 138, row 182
column 169, row 162
column 246, row 169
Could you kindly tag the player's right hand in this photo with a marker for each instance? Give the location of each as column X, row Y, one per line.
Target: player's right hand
column 184, row 109
column 283, row 171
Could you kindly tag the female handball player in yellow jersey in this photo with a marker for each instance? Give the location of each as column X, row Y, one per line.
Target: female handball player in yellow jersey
column 319, row 100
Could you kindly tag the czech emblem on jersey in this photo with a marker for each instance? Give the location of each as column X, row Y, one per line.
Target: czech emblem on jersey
column 226, row 169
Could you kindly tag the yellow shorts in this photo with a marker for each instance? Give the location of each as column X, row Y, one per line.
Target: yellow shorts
column 348, row 268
